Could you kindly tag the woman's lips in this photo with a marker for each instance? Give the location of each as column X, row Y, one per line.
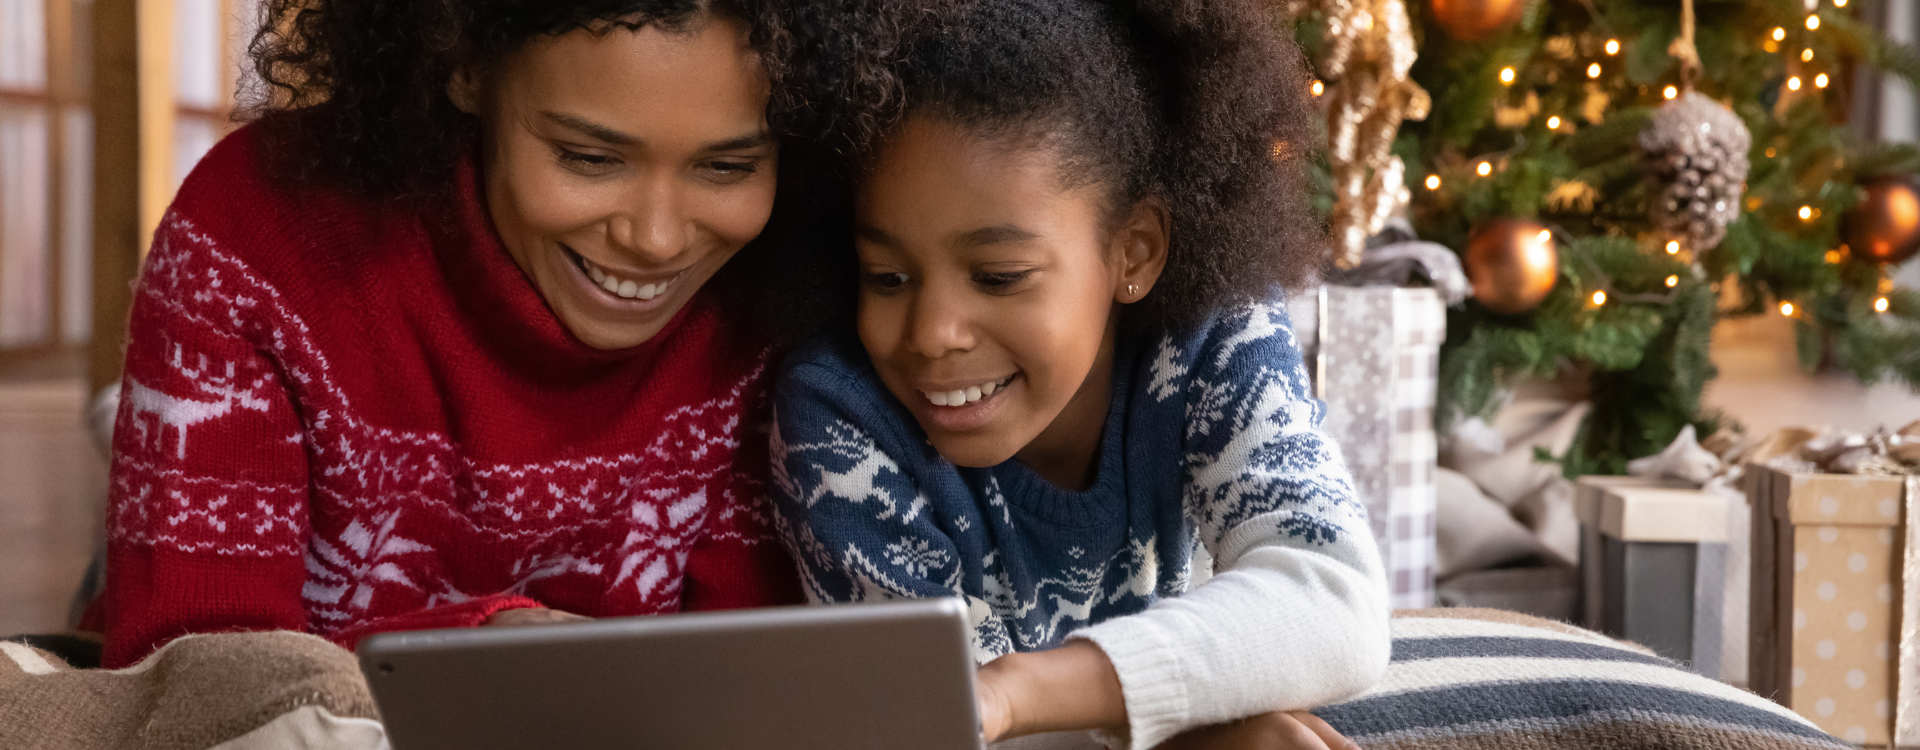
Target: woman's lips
column 619, row 291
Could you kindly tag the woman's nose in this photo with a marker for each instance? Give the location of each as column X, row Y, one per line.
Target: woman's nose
column 655, row 224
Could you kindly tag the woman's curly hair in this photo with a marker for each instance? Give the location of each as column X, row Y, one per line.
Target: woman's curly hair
column 354, row 96
column 1199, row 102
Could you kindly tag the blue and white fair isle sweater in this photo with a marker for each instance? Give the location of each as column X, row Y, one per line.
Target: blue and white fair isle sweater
column 1212, row 439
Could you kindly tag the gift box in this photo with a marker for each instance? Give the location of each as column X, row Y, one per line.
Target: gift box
column 1642, row 545
column 1377, row 368
column 1836, row 601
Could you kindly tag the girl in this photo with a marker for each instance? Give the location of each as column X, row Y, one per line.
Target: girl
column 1069, row 376
column 457, row 332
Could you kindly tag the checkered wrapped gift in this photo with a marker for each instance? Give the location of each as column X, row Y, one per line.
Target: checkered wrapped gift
column 1377, row 367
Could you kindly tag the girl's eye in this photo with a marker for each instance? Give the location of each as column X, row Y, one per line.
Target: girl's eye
column 884, row 282
column 1000, row 280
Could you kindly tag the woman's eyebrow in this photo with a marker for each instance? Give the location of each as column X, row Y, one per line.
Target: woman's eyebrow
column 741, row 143
column 591, row 128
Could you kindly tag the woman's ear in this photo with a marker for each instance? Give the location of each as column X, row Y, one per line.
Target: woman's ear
column 1142, row 239
column 463, row 88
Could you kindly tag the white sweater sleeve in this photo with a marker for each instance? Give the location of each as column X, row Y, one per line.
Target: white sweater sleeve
column 1297, row 615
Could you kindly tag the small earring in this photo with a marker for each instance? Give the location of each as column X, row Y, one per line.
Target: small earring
column 1130, row 289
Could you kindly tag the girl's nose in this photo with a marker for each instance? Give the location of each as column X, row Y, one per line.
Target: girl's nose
column 938, row 324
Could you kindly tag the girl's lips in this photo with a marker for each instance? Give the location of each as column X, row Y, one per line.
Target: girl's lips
column 969, row 415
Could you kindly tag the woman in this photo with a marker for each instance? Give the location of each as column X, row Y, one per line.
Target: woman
column 457, row 332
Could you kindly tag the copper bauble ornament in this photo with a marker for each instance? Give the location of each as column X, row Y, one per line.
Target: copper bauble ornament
column 1476, row 20
column 1512, row 263
column 1885, row 227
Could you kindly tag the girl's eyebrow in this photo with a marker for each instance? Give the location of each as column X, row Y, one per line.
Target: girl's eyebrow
column 993, row 235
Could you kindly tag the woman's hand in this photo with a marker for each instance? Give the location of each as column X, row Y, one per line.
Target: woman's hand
column 516, row 618
column 1277, row 730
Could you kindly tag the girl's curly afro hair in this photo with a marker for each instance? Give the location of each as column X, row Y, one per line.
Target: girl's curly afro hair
column 1200, row 102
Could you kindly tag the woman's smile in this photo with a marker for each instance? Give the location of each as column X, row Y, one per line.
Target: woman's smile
column 618, row 290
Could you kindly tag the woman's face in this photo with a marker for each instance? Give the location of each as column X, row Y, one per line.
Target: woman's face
column 624, row 168
column 988, row 295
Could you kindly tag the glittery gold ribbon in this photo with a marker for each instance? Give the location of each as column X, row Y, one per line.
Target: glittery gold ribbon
column 1906, row 714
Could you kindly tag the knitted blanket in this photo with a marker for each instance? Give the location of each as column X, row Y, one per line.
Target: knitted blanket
column 1494, row 680
column 277, row 690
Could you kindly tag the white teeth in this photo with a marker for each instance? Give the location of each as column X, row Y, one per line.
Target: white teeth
column 966, row 395
column 625, row 288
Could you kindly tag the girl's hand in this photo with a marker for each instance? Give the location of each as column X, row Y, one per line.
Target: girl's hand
column 1277, row 730
column 515, row 618
column 996, row 709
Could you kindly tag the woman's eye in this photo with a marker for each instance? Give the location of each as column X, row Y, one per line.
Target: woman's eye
column 586, row 162
column 1000, row 279
column 884, row 282
column 730, row 171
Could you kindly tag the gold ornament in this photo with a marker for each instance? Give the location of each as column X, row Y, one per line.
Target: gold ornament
column 1571, row 195
column 1476, row 20
column 1512, row 263
column 1512, row 118
column 1370, row 49
column 1885, row 227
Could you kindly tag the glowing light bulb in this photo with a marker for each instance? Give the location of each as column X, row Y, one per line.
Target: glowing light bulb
column 1813, row 22
column 1673, row 281
column 1793, row 84
column 1839, row 3
column 1318, row 88
column 1485, row 168
column 1806, row 55
column 1770, row 46
column 1613, row 46
column 1593, row 71
column 1673, row 247
column 1786, row 308
column 1834, row 257
column 1806, row 213
column 1506, row 76
column 1433, row 182
column 1670, row 92
column 1771, row 152
column 1553, row 123
column 1546, row 235
column 1880, row 305
column 1599, row 298
column 1779, row 34
column 1820, row 81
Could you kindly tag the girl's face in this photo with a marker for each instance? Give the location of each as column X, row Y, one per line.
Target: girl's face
column 623, row 169
column 989, row 295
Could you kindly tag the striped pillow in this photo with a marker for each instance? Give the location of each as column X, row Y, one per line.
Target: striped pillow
column 1464, row 678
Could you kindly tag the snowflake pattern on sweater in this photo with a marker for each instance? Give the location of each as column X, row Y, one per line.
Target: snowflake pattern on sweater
column 1212, row 439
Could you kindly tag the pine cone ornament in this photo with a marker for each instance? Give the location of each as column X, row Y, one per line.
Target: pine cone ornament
column 1694, row 154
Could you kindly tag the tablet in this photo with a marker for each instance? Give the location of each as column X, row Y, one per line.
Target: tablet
column 846, row 677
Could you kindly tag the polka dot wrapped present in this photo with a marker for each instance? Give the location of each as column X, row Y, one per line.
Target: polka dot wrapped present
column 1836, row 601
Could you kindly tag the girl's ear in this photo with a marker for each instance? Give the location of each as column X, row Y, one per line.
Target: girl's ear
column 463, row 87
column 1142, row 241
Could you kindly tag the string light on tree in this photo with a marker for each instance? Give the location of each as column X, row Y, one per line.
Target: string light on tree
column 1317, row 88
column 1779, row 34
column 1673, row 281
column 1806, row 55
column 1433, row 182
column 1673, row 247
column 1806, row 213
column 1880, row 305
column 1553, row 123
column 1506, row 76
column 1813, row 22
column 1820, row 81
column 1485, row 168
column 1593, row 70
column 1613, row 46
column 1793, row 83
column 1670, row 92
column 1786, row 308
column 1599, row 298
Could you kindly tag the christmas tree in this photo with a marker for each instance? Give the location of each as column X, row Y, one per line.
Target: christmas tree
column 1618, row 175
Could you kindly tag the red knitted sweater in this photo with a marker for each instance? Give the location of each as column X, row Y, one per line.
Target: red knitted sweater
column 343, row 416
